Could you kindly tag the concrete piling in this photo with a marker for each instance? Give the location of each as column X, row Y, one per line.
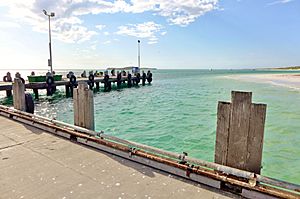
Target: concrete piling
column 83, row 106
column 19, row 95
column 240, row 132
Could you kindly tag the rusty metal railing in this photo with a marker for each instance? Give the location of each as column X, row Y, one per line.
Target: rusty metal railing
column 209, row 169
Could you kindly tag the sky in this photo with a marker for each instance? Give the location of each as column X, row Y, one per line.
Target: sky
column 174, row 34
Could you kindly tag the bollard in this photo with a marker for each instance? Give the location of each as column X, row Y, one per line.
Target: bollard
column 19, row 95
column 240, row 132
column 83, row 106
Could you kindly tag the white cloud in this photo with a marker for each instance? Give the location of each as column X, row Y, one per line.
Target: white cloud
column 280, row 2
column 68, row 27
column 100, row 26
column 106, row 33
column 65, row 26
column 93, row 47
column 69, row 30
column 146, row 30
column 8, row 24
column 178, row 12
column 107, row 42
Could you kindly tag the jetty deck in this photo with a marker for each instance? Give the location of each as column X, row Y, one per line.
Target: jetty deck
column 64, row 82
column 36, row 164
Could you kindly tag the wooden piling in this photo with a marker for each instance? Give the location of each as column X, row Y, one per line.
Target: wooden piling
column 8, row 93
column 71, row 91
column 36, row 93
column 19, row 95
column 83, row 106
column 256, row 137
column 67, row 90
column 97, row 86
column 240, row 130
column 223, row 122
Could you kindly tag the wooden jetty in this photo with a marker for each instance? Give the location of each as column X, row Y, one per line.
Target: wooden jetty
column 130, row 81
column 232, row 170
column 35, row 164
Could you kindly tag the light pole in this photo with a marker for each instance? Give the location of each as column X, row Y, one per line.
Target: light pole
column 50, row 50
column 139, row 54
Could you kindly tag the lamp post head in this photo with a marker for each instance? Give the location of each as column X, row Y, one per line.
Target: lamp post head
column 52, row 14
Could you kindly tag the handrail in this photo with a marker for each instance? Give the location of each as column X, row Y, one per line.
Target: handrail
column 218, row 167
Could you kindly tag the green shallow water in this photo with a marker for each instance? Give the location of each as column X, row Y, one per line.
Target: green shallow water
column 178, row 113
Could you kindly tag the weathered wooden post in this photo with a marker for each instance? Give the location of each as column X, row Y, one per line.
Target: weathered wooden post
column 83, row 106
column 19, row 95
column 71, row 91
column 36, row 93
column 8, row 93
column 67, row 90
column 240, row 132
column 97, row 86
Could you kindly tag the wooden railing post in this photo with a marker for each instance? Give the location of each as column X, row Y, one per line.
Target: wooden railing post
column 240, row 132
column 19, row 95
column 83, row 106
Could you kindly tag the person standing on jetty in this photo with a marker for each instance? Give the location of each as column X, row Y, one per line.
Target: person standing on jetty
column 149, row 76
column 143, row 78
column 7, row 78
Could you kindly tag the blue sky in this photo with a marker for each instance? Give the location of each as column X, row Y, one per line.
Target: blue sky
column 174, row 33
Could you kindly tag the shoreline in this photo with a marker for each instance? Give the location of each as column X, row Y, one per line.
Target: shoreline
column 291, row 81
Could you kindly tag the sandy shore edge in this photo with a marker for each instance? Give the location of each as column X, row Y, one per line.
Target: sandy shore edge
column 284, row 80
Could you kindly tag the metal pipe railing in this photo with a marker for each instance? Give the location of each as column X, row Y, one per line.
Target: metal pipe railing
column 203, row 163
column 222, row 168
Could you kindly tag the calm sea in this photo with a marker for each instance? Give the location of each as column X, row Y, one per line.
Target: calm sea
column 178, row 113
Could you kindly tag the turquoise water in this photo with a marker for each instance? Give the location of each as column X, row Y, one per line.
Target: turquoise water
column 178, row 113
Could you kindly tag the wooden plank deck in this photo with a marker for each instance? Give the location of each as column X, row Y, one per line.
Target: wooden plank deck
column 35, row 164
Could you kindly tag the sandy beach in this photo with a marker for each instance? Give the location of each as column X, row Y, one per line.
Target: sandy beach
column 285, row 80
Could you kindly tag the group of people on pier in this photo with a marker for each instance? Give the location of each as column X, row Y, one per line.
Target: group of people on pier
column 132, row 79
column 8, row 78
column 123, row 73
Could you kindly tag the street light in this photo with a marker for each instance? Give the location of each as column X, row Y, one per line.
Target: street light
column 52, row 14
column 139, row 54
